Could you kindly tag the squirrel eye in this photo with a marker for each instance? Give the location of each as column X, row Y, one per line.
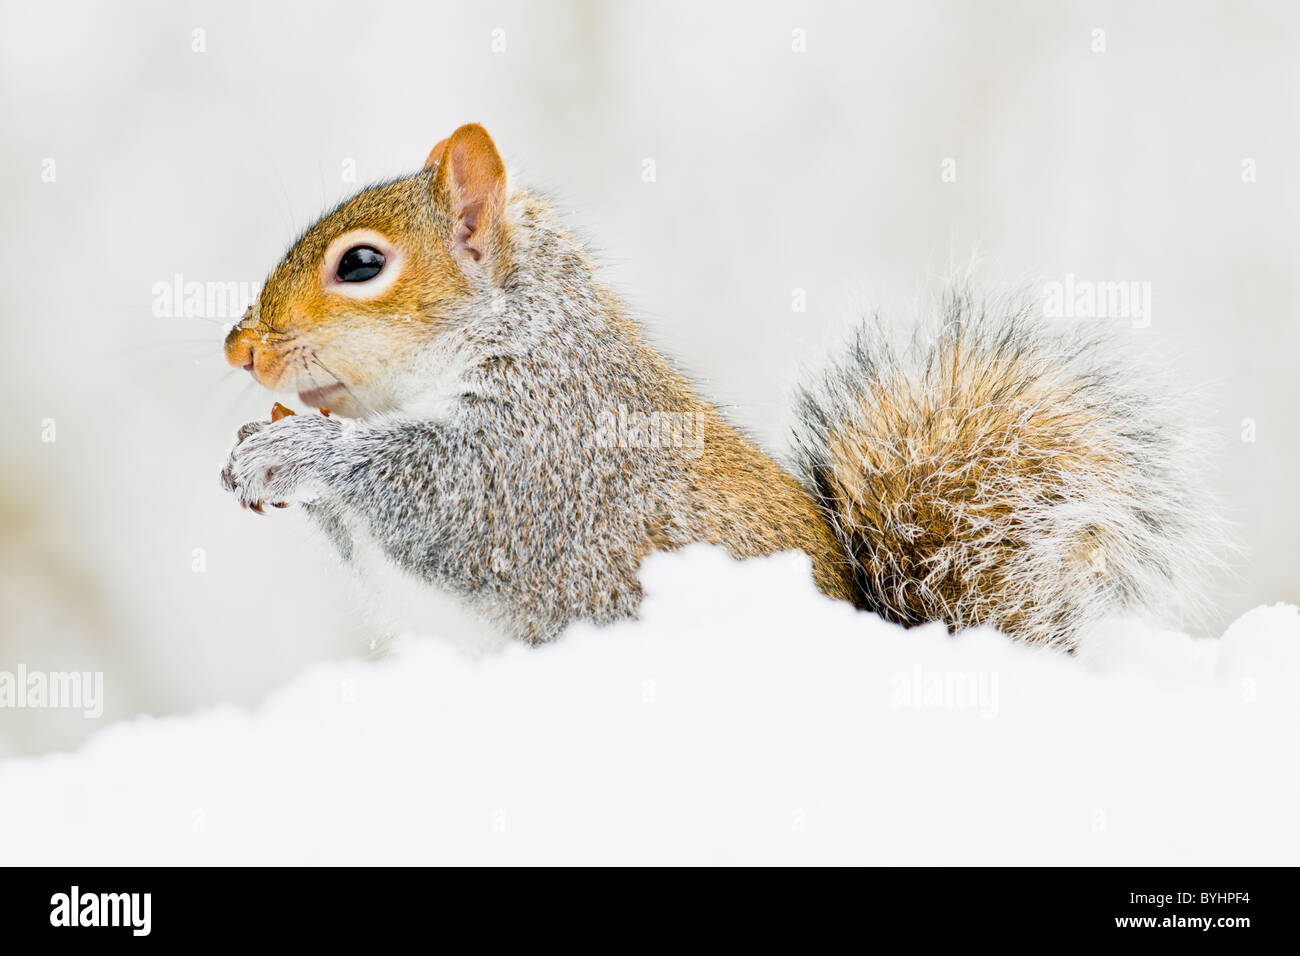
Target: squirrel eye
column 360, row 264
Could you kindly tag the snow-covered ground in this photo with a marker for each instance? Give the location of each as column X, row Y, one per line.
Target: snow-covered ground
column 795, row 187
column 743, row 719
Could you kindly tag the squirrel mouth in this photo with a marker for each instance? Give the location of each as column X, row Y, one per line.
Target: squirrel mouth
column 321, row 397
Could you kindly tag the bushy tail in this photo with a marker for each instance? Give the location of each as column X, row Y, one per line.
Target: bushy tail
column 996, row 467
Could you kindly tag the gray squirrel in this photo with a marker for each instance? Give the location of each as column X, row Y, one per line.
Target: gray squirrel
column 508, row 435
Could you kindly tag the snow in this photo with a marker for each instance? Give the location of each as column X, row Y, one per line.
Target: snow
column 744, row 718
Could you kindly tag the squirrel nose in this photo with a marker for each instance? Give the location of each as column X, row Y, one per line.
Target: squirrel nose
column 240, row 348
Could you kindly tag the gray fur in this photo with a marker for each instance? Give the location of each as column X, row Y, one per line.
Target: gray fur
column 497, row 479
column 511, row 496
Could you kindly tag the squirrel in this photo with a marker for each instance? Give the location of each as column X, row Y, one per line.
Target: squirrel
column 504, row 431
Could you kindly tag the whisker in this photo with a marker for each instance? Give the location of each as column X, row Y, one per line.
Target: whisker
column 342, row 384
column 236, row 409
column 213, row 383
column 208, row 346
column 206, row 318
column 240, row 395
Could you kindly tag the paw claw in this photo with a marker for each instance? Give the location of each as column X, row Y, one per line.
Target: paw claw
column 251, row 428
column 269, row 462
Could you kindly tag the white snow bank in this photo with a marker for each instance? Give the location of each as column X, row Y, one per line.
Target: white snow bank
column 743, row 719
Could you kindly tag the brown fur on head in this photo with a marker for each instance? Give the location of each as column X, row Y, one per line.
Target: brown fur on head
column 342, row 344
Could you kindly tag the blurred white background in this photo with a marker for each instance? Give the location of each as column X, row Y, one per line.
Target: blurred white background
column 130, row 157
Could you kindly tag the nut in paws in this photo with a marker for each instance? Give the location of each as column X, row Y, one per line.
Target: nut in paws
column 271, row 461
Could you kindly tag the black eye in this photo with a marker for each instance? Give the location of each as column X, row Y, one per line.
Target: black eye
column 359, row 264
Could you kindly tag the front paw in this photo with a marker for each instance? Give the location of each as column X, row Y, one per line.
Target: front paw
column 277, row 462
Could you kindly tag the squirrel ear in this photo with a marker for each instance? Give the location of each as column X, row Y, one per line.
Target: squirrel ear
column 470, row 188
column 435, row 154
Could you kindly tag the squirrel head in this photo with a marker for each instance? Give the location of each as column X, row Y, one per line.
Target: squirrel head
column 363, row 290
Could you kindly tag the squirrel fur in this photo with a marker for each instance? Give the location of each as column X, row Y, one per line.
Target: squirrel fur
column 506, row 433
